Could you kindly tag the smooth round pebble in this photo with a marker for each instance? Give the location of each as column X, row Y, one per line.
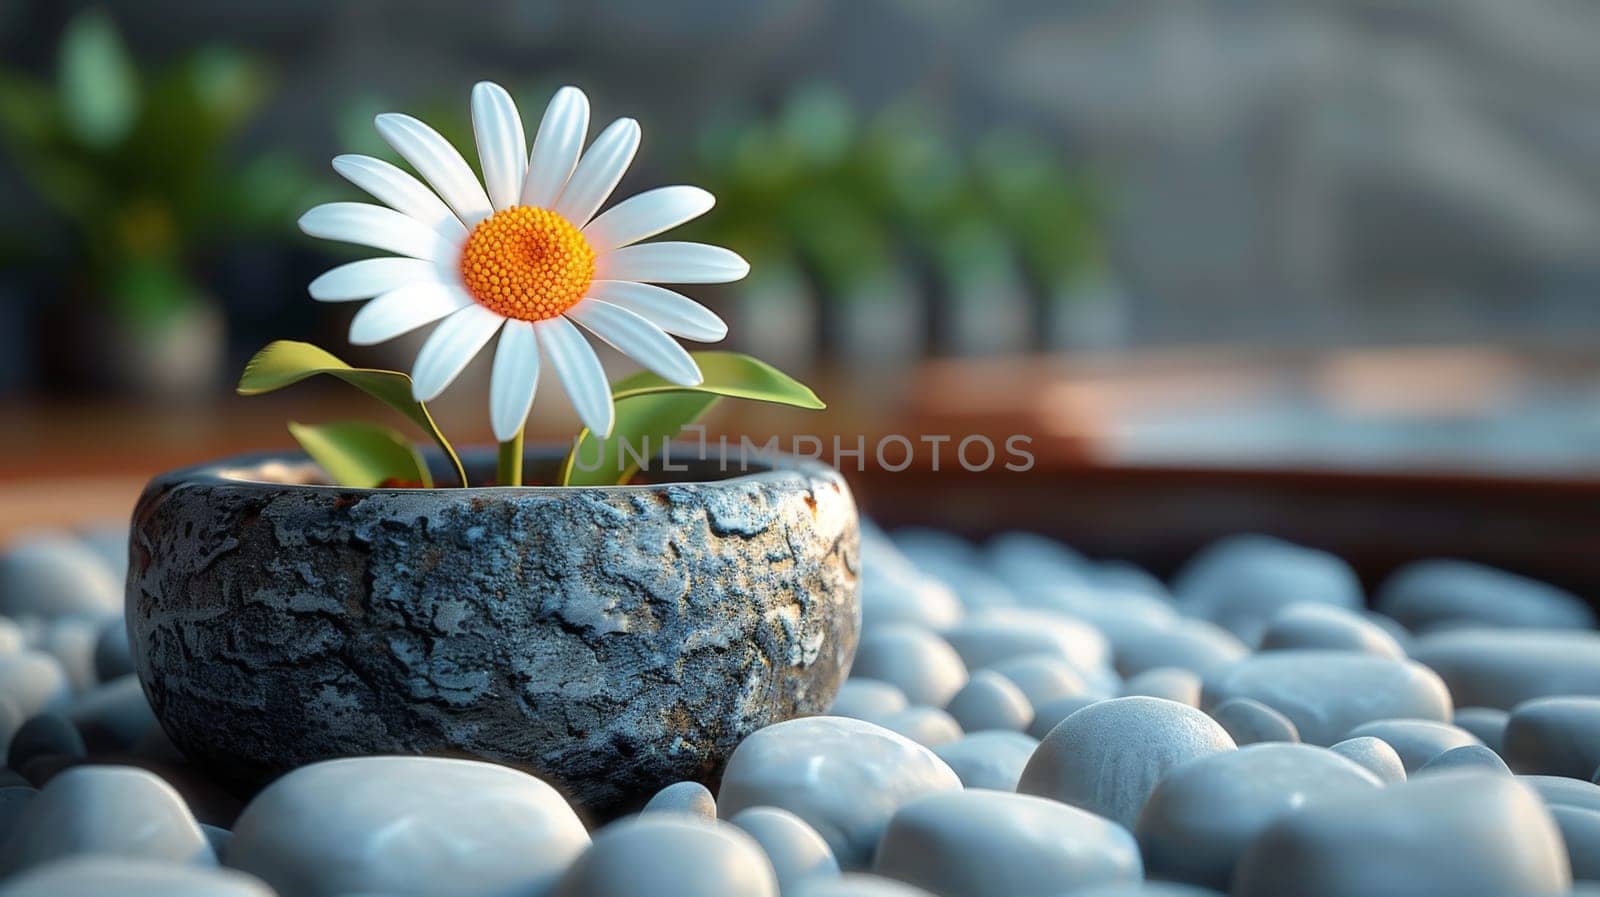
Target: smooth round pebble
column 990, row 701
column 1417, row 741
column 13, row 800
column 1560, row 790
column 1051, row 714
column 41, row 736
column 1505, row 667
column 1041, row 677
column 109, row 542
column 688, row 798
column 1252, row 722
column 1171, row 683
column 1488, row 723
column 844, row 777
column 1109, row 756
column 218, row 837
column 857, row 885
column 927, row 726
column 1327, row 627
column 868, row 699
column 1467, row 756
column 1242, row 582
column 1427, row 594
column 1147, row 889
column 913, row 659
column 664, row 855
column 113, row 716
column 1555, row 737
column 35, row 682
column 113, row 658
column 407, row 825
column 116, row 876
column 1328, row 693
column 1022, row 558
column 71, row 641
column 1204, row 813
column 1376, row 756
column 796, row 851
column 1465, row 834
column 1196, row 645
column 989, row 637
column 1580, row 829
column 51, row 574
column 116, row 810
column 978, row 843
column 992, row 759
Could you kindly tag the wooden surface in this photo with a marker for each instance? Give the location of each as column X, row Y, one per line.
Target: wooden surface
column 63, row 463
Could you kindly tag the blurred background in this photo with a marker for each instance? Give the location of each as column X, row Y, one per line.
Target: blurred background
column 1325, row 269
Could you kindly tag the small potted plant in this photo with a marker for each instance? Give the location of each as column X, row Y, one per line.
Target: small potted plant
column 621, row 624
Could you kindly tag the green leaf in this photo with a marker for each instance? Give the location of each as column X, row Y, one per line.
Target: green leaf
column 99, row 85
column 286, row 362
column 652, row 410
column 362, row 455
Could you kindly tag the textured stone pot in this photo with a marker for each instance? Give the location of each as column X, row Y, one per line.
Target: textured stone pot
column 610, row 640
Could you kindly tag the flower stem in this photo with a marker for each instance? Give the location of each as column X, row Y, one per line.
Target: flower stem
column 509, row 471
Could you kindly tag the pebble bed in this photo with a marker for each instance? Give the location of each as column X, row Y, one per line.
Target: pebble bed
column 1020, row 721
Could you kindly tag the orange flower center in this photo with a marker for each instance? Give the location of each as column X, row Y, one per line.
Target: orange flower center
column 527, row 263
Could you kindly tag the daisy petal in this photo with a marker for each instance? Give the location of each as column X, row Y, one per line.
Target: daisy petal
column 502, row 145
column 599, row 171
column 556, row 147
column 439, row 164
column 370, row 277
column 638, row 339
column 515, row 379
column 401, row 192
column 580, row 372
column 376, row 226
column 670, row 262
column 673, row 312
column 450, row 347
column 403, row 310
column 646, row 215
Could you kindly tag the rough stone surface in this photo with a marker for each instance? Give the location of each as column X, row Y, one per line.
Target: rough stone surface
column 796, row 851
column 1462, row 834
column 1376, row 756
column 978, row 843
column 1555, row 737
column 114, row 810
column 667, row 856
column 612, row 640
column 1417, row 741
column 1330, row 628
column 409, row 827
column 688, row 798
column 990, row 701
column 1428, row 594
column 1203, row 815
column 1328, row 693
column 913, row 659
column 992, row 760
column 1108, row 757
column 1252, row 722
column 844, row 777
column 1502, row 668
column 114, row 876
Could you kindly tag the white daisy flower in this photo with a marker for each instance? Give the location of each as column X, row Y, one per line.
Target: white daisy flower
column 522, row 254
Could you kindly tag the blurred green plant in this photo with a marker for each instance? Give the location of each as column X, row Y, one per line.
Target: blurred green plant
column 138, row 170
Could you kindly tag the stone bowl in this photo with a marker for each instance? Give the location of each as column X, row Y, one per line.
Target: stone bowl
column 610, row 640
